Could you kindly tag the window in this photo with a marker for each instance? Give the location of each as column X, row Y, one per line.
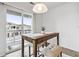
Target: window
column 27, row 23
column 14, row 27
column 14, row 19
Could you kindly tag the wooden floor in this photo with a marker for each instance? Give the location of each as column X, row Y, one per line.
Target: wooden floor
column 70, row 52
column 65, row 51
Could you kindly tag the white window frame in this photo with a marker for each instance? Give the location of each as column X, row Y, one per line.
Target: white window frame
column 22, row 13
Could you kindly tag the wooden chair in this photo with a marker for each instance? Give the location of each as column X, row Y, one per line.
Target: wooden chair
column 38, row 46
column 55, row 52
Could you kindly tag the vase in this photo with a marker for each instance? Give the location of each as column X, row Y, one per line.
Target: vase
column 43, row 32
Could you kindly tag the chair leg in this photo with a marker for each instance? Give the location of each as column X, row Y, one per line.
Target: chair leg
column 60, row 54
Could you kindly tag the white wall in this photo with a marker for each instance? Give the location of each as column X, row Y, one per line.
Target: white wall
column 65, row 20
column 49, row 21
column 38, row 20
column 2, row 30
column 34, row 23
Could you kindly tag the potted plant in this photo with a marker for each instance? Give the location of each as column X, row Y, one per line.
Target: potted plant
column 43, row 30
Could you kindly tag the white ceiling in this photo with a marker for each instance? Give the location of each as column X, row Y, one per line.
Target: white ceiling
column 53, row 4
column 20, row 5
column 50, row 4
column 27, row 5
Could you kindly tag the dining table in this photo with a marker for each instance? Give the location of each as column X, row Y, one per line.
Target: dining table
column 36, row 39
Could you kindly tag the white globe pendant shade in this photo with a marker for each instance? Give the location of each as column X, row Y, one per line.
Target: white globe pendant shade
column 40, row 8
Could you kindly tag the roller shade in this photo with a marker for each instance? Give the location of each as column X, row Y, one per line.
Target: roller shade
column 28, row 16
column 13, row 12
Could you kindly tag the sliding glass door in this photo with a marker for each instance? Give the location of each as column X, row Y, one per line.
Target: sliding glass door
column 16, row 23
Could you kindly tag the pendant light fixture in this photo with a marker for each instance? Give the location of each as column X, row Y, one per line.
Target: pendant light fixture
column 40, row 8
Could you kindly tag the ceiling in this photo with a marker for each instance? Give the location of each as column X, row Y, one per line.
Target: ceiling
column 53, row 4
column 25, row 5
column 50, row 4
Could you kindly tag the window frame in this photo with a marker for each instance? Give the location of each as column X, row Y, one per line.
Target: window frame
column 22, row 13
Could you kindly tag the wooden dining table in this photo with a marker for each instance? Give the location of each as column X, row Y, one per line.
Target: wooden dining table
column 38, row 38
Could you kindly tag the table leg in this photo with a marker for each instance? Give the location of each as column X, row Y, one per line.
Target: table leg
column 29, row 51
column 22, row 47
column 38, row 50
column 58, row 39
column 46, row 43
column 34, row 48
column 58, row 43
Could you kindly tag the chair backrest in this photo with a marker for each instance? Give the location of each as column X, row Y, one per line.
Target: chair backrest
column 55, row 52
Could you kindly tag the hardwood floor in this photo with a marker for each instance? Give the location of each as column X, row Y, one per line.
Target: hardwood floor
column 70, row 52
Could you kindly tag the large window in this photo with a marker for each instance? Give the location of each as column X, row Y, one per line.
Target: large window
column 27, row 23
column 14, row 28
